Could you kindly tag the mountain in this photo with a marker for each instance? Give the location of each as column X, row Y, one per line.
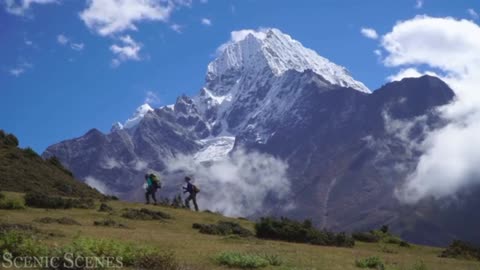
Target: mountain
column 23, row 170
column 344, row 148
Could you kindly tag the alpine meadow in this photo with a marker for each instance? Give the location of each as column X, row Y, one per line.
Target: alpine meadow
column 288, row 135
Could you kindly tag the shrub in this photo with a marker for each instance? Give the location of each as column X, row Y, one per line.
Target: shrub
column 9, row 139
column 20, row 243
column 40, row 200
column 370, row 262
column 165, row 261
column 109, row 223
column 294, row 231
column 419, row 266
column 366, row 237
column 145, row 214
column 461, row 250
column 381, row 235
column 62, row 221
column 105, row 208
column 2, row 196
column 30, row 153
column 11, row 204
column 235, row 259
column 404, row 244
column 223, row 228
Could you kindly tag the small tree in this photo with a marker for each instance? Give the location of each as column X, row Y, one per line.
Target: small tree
column 384, row 229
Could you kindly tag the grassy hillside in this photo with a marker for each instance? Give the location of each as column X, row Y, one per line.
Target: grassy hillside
column 199, row 251
column 22, row 170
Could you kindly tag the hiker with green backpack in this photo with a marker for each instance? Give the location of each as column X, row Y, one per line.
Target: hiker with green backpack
column 192, row 191
column 151, row 186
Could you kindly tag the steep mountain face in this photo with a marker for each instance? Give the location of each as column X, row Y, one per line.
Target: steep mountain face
column 347, row 149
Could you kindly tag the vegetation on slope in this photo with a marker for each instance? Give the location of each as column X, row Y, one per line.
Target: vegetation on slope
column 23, row 170
column 173, row 244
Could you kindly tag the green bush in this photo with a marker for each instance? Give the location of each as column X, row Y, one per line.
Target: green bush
column 145, row 214
column 382, row 235
column 11, row 204
column 223, row 228
column 109, row 223
column 105, row 208
column 419, row 266
column 370, row 262
column 294, row 231
column 62, row 221
column 461, row 250
column 8, row 139
column 241, row 260
column 2, row 196
column 40, row 200
column 30, row 153
column 139, row 257
column 367, row 237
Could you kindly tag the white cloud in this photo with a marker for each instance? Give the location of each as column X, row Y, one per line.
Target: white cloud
column 128, row 50
column 369, row 33
column 62, row 39
column 419, row 4
column 451, row 154
column 152, row 98
column 21, row 7
column 98, row 185
column 473, row 13
column 236, row 36
column 20, row 69
column 77, row 46
column 177, row 28
column 238, row 185
column 108, row 17
column 206, row 21
column 410, row 73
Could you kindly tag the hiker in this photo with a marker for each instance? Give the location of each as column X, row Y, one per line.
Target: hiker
column 192, row 190
column 152, row 184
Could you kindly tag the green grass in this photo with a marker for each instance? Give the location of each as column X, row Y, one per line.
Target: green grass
column 197, row 250
column 242, row 260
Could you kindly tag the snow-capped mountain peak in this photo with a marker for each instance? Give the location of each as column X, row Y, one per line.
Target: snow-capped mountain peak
column 140, row 112
column 252, row 51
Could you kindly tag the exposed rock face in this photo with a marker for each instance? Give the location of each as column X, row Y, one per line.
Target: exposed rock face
column 347, row 148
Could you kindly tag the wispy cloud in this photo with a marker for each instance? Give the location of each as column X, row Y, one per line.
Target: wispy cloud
column 77, row 46
column 177, row 28
column 369, row 33
column 473, row 13
column 206, row 21
column 19, row 69
column 21, row 7
column 419, row 4
column 128, row 50
column 62, row 39
column 152, row 98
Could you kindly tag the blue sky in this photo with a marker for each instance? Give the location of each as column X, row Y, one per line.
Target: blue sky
column 60, row 76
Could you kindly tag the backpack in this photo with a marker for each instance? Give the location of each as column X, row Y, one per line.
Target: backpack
column 155, row 181
column 195, row 189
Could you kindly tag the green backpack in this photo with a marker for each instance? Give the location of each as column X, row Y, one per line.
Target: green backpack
column 155, row 181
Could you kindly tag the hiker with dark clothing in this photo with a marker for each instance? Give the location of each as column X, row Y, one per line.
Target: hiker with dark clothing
column 192, row 191
column 151, row 188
